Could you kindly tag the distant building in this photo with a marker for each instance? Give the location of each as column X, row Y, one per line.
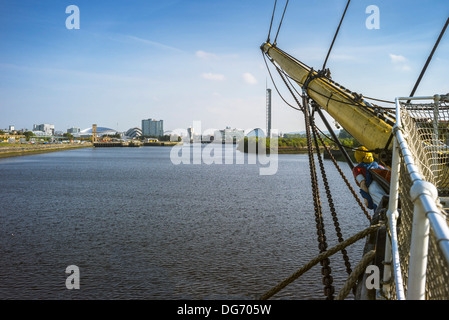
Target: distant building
column 190, row 133
column 257, row 132
column 151, row 127
column 11, row 128
column 174, row 136
column 134, row 133
column 73, row 130
column 228, row 135
column 44, row 129
column 100, row 131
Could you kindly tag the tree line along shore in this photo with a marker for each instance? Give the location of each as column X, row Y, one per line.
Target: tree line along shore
column 295, row 143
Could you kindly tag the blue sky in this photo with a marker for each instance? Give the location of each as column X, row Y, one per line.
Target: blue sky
column 199, row 60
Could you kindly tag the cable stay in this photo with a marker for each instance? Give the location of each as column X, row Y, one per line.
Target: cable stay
column 280, row 23
column 335, row 36
column 418, row 81
column 271, row 23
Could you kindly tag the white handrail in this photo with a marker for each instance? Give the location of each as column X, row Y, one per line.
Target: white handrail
column 426, row 213
column 391, row 249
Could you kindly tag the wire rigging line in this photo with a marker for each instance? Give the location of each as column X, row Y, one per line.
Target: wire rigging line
column 380, row 100
column 428, row 59
column 272, row 80
column 271, row 23
column 280, row 24
column 335, row 36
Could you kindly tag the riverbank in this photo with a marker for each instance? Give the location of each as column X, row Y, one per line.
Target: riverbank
column 112, row 144
column 280, row 150
column 292, row 150
column 16, row 150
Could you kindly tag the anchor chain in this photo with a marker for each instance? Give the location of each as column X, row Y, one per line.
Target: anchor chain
column 326, row 270
column 368, row 216
column 330, row 201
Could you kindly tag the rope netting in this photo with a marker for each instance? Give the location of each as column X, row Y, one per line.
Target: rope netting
column 428, row 138
column 426, row 130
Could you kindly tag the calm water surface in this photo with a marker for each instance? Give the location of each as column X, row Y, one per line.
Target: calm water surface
column 140, row 227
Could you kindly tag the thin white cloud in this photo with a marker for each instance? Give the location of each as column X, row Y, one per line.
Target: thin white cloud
column 205, row 55
column 213, row 76
column 249, row 78
column 397, row 58
column 154, row 43
column 400, row 62
column 72, row 74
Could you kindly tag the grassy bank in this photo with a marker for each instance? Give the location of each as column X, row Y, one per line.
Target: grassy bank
column 292, row 150
column 15, row 150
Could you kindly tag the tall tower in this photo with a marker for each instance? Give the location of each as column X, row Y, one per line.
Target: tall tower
column 94, row 133
column 268, row 113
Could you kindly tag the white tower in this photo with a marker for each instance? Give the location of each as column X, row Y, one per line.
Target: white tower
column 268, row 113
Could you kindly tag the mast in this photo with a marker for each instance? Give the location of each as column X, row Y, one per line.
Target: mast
column 349, row 109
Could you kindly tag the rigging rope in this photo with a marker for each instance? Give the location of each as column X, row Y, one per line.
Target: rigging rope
column 312, row 130
column 317, row 92
column 317, row 259
column 344, row 179
column 272, row 80
column 280, row 24
column 380, row 100
column 271, row 23
column 353, row 278
column 335, row 36
column 429, row 59
column 322, row 142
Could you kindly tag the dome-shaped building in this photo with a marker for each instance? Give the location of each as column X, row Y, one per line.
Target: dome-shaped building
column 257, row 132
column 100, row 132
column 134, row 133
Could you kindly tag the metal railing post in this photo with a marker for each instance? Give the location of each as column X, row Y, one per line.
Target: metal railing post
column 391, row 214
column 421, row 192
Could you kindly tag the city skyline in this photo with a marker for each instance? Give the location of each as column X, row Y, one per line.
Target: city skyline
column 185, row 61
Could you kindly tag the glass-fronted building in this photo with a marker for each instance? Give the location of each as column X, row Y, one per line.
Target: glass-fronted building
column 151, row 127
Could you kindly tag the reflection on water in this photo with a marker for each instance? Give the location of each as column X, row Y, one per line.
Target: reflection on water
column 140, row 227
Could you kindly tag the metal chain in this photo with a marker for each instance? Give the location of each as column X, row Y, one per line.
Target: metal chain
column 326, row 270
column 345, row 180
column 331, row 201
column 351, row 240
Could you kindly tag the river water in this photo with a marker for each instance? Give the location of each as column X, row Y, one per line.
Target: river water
column 140, row 227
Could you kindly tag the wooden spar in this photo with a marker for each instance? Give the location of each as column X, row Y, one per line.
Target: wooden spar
column 355, row 116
